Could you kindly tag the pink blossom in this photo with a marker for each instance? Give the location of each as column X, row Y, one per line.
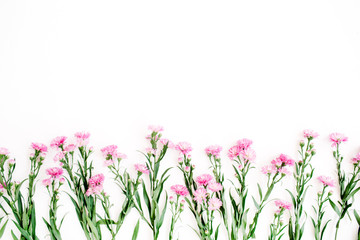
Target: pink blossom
column 154, row 128
column 150, row 151
column 356, row 159
column 141, row 168
column 55, row 172
column 70, row 148
column 180, row 190
column 171, row 199
column 327, row 181
column 59, row 156
column 2, row 188
column 82, row 138
column 283, row 160
column 214, row 204
column 284, row 170
column 283, row 205
column 213, row 150
column 11, row 161
column 109, row 150
column 62, row 180
column 200, row 195
column 204, row 179
column 215, row 187
column 234, row 152
column 244, row 143
column 47, row 182
column 4, row 151
column 184, row 147
column 95, row 184
column 310, row 133
column 269, row 169
column 39, row 147
column 58, row 142
column 108, row 162
column 187, row 169
column 165, row 141
column 248, row 154
column 337, row 138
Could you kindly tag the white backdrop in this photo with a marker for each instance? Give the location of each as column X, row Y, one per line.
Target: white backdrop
column 210, row 72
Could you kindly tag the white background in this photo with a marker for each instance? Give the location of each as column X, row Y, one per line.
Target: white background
column 210, row 72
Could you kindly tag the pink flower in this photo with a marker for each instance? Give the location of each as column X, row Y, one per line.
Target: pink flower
column 2, row 188
column 180, row 190
column 284, row 170
column 200, row 195
column 269, row 169
column 165, row 141
column 184, row 147
column 70, row 148
column 204, row 179
column 82, row 138
column 109, row 150
column 58, row 142
column 327, row 181
column 310, row 134
column 150, row 151
column 248, row 155
column 215, row 187
column 141, row 168
column 108, row 162
column 244, row 143
column 153, row 128
column 283, row 205
column 214, row 204
column 95, row 184
column 59, row 156
column 55, row 172
column 11, row 161
column 337, row 138
column 4, row 151
column 234, row 152
column 213, row 150
column 187, row 169
column 39, row 147
column 356, row 159
column 47, row 182
column 283, row 160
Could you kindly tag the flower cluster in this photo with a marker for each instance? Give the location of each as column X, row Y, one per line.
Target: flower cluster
column 279, row 165
column 111, row 153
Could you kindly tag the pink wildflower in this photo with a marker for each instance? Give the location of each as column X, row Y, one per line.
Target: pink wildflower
column 39, row 147
column 214, row 204
column 244, row 143
column 108, row 162
column 2, row 188
column 204, row 179
column 184, row 147
column 55, row 172
column 141, row 168
column 282, row 205
column 70, row 148
column 165, row 141
column 58, row 142
column 327, row 181
column 11, row 161
column 337, row 138
column 310, row 133
column 283, row 160
column 187, row 169
column 215, row 187
column 82, row 138
column 153, row 128
column 269, row 169
column 109, row 150
column 200, row 195
column 47, row 182
column 95, row 184
column 180, row 190
column 356, row 159
column 248, row 154
column 284, row 170
column 59, row 156
column 4, row 151
column 234, row 152
column 213, row 150
column 150, row 151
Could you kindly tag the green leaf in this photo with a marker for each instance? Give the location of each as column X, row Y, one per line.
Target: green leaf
column 136, row 230
column 13, row 235
column 336, row 209
column 2, row 230
column 255, row 203
column 259, row 189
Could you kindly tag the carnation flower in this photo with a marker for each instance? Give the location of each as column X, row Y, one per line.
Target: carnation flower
column 356, row 159
column 283, row 205
column 82, row 138
column 39, row 147
column 310, row 134
column 165, row 141
column 204, row 179
column 214, row 204
column 269, row 169
column 213, row 150
column 4, row 151
column 337, row 138
column 283, row 160
column 200, row 195
column 244, row 143
column 327, row 181
column 141, row 168
column 54, row 172
column 184, row 147
column 59, row 156
column 248, row 154
column 215, row 187
column 234, row 152
column 180, row 190
column 47, row 182
column 58, row 142
column 153, row 128
column 70, row 148
column 95, row 184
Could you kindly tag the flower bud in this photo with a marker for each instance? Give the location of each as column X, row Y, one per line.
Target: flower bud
column 171, row 199
column 302, row 143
